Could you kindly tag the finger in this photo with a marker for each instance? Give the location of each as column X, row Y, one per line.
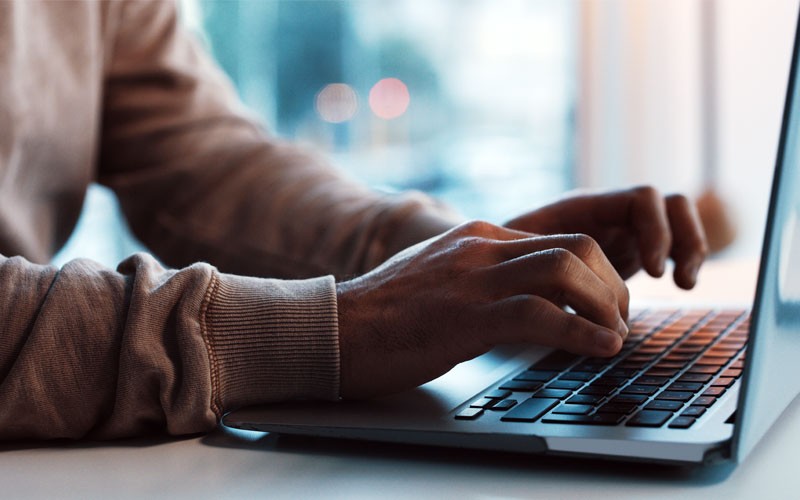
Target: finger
column 524, row 259
column 648, row 216
column 531, row 319
column 640, row 210
column 689, row 246
column 564, row 279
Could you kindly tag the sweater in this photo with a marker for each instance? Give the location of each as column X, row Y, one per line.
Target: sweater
column 249, row 234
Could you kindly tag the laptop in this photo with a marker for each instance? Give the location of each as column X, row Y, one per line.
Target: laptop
column 689, row 386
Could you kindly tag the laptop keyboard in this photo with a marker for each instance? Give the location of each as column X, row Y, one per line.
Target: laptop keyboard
column 671, row 369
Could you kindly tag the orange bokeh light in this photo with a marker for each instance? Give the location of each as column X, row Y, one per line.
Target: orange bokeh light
column 389, row 98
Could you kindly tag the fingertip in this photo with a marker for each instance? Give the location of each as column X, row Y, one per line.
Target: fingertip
column 686, row 276
column 656, row 266
column 607, row 343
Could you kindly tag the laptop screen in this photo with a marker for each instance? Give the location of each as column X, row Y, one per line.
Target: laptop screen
column 772, row 367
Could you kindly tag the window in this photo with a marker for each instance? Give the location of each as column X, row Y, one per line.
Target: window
column 471, row 101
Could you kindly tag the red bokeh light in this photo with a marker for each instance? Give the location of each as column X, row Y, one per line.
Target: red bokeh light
column 389, row 98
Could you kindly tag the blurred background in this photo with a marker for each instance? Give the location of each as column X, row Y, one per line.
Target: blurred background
column 497, row 106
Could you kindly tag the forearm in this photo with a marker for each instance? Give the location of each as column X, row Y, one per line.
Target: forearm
column 92, row 352
column 200, row 181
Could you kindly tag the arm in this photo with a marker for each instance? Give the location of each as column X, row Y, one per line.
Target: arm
column 90, row 352
column 200, row 182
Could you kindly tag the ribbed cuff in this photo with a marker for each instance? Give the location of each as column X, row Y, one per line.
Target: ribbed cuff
column 271, row 340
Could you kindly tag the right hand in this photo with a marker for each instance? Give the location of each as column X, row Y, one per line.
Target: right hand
column 455, row 296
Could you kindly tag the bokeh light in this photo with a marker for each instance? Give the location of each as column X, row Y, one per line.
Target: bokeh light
column 337, row 103
column 389, row 98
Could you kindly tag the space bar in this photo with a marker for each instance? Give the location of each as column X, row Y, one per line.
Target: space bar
column 530, row 410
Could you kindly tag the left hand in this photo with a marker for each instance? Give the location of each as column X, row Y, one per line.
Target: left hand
column 636, row 228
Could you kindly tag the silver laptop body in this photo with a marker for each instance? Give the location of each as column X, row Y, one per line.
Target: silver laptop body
column 770, row 379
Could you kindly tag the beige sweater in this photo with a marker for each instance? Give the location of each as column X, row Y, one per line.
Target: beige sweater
column 115, row 92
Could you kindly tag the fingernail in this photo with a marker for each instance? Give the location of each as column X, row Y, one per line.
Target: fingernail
column 607, row 341
column 622, row 328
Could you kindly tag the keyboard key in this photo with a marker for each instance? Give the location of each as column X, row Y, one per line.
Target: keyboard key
column 633, row 365
column 552, row 393
column 574, row 409
column 695, row 377
column 483, row 403
column 621, row 372
column 500, row 394
column 708, row 369
column 629, row 398
column 723, row 353
column 610, row 381
column 723, row 382
column 649, row 380
column 516, row 385
column 649, row 418
column 596, row 390
column 583, row 376
column 469, row 413
column 713, row 361
column 596, row 419
column 654, row 350
column 623, row 408
column 673, row 356
column 693, row 411
column 565, row 384
column 530, row 410
column 682, row 423
column 732, row 373
column 669, row 365
column 685, row 386
column 584, row 399
column 675, row 396
column 536, row 375
column 641, row 357
column 647, row 390
column 664, row 405
column 714, row 391
column 704, row 401
column 687, row 349
column 503, row 405
column 591, row 367
column 661, row 372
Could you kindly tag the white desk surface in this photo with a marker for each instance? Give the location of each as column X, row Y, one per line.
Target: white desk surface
column 233, row 464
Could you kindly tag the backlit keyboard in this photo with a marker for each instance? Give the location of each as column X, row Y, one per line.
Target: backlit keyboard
column 673, row 366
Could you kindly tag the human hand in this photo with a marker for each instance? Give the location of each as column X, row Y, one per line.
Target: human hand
column 636, row 228
column 455, row 296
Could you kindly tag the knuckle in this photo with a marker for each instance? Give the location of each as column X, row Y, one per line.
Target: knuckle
column 677, row 199
column 625, row 293
column 474, row 251
column 582, row 245
column 646, row 192
column 559, row 260
column 475, row 228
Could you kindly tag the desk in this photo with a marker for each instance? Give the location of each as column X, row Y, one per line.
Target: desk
column 236, row 464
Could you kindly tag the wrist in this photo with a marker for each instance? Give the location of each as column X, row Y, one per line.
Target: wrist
column 425, row 218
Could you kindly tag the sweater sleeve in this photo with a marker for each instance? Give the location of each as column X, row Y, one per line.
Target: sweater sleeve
column 198, row 180
column 91, row 352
